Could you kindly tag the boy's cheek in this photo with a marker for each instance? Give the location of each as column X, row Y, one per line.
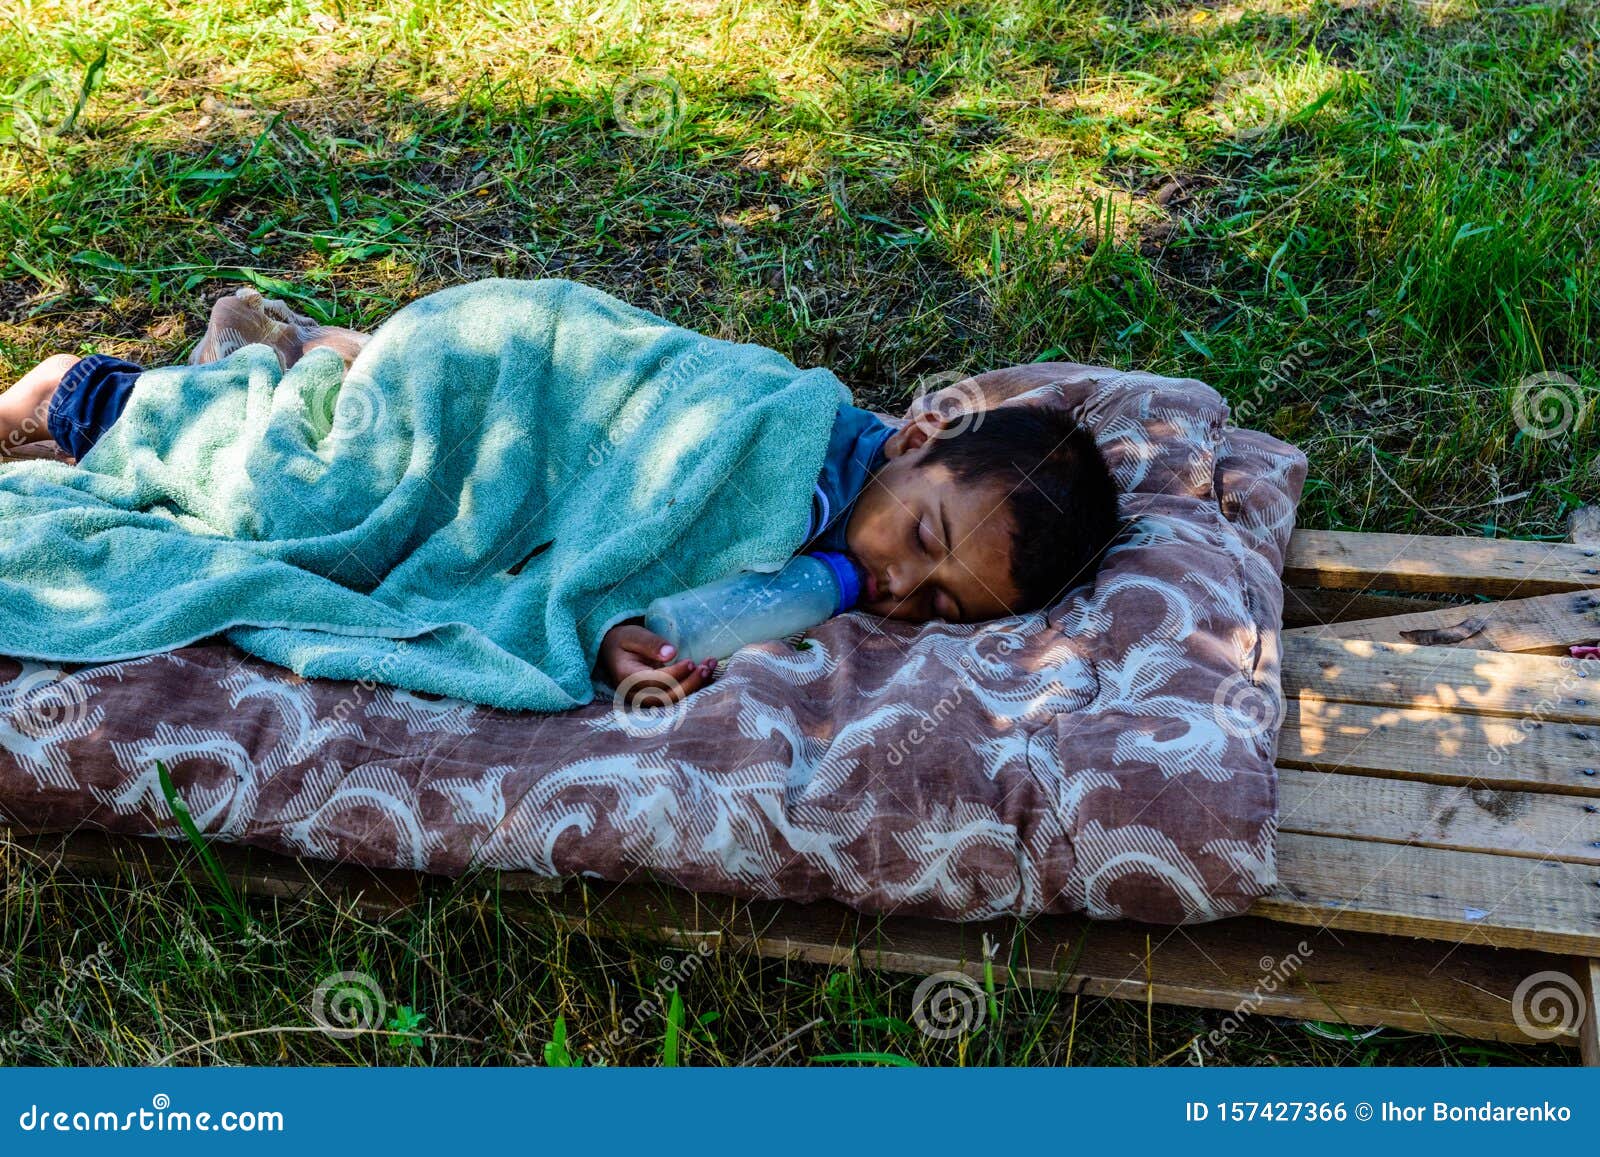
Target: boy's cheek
column 861, row 533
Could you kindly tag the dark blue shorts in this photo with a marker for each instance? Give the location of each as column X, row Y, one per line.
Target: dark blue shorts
column 91, row 396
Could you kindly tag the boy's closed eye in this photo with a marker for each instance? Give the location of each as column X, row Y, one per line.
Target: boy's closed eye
column 942, row 602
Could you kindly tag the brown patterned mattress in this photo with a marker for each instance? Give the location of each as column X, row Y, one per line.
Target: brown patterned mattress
column 1113, row 754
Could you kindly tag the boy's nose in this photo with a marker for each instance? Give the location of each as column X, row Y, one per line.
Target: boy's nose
column 903, row 580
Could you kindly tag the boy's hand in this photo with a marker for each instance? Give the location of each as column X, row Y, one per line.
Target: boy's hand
column 643, row 666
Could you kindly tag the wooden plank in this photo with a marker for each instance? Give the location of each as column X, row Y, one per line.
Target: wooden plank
column 1401, row 890
column 1586, row 971
column 1508, row 568
column 1545, row 624
column 1480, row 682
column 1482, row 751
column 1310, row 607
column 1348, row 978
column 1233, row 965
column 1506, row 823
column 48, row 451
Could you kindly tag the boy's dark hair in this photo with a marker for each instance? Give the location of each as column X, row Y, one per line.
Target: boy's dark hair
column 1061, row 494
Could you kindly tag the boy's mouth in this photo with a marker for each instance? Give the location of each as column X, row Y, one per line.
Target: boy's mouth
column 872, row 586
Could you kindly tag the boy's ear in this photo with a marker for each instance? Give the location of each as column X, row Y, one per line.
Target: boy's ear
column 916, row 433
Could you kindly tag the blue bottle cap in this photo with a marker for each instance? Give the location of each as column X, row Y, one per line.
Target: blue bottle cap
column 845, row 576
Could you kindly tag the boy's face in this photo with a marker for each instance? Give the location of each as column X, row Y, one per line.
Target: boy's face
column 933, row 547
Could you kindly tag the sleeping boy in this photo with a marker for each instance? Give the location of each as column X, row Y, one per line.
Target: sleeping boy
column 952, row 516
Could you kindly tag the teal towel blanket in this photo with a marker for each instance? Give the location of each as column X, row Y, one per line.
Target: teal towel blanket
column 509, row 469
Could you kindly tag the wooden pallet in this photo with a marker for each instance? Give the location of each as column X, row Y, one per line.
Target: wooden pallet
column 1439, row 818
column 1440, row 753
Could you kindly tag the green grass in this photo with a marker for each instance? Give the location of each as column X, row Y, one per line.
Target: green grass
column 1365, row 224
column 135, row 973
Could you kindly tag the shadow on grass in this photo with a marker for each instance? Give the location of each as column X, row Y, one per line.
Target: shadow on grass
column 1303, row 208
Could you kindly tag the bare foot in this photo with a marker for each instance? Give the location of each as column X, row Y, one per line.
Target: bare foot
column 247, row 318
column 347, row 343
column 25, row 407
column 238, row 321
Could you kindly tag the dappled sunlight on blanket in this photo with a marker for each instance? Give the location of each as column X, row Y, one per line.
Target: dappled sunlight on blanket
column 79, row 596
column 674, row 443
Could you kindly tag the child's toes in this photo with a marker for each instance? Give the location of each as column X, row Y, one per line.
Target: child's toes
column 279, row 310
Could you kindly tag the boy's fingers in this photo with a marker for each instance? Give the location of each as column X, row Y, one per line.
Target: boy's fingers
column 647, row 644
column 664, row 685
column 696, row 679
column 641, row 669
column 626, row 666
column 654, row 686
